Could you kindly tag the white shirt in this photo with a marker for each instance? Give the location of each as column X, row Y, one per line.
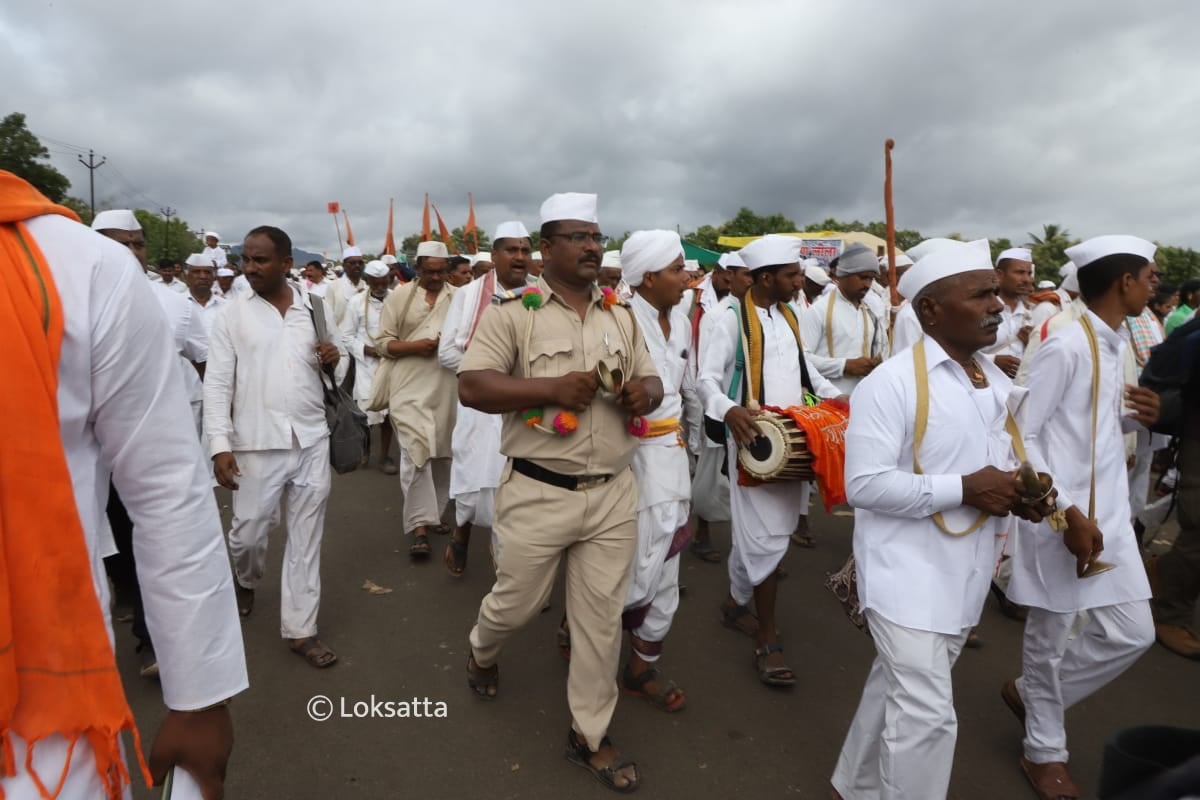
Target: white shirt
column 907, row 329
column 191, row 339
column 318, row 289
column 217, row 254
column 854, row 329
column 781, row 364
column 1011, row 321
column 176, row 285
column 240, row 286
column 263, row 366
column 1056, row 422
column 119, row 404
column 208, row 311
column 1042, row 312
column 661, row 465
column 909, row 571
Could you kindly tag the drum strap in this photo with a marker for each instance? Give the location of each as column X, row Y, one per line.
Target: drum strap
column 751, row 333
column 921, row 373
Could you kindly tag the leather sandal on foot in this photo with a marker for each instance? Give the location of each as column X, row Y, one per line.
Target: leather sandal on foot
column 1051, row 781
column 484, row 681
column 419, row 549
column 669, row 698
column 315, row 653
column 772, row 676
column 456, row 557
column 579, row 754
column 1012, row 699
column 739, row 618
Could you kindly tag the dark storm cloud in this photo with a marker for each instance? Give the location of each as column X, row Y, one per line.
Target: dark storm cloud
column 1006, row 116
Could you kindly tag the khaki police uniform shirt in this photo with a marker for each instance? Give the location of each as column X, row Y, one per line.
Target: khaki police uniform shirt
column 549, row 342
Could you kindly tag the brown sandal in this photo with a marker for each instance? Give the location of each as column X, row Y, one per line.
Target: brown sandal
column 315, row 653
column 1051, row 781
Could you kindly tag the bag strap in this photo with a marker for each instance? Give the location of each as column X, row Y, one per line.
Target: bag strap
column 921, row 423
column 316, row 304
column 1094, row 347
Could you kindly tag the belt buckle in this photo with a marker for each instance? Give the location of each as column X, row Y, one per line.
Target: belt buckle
column 586, row 482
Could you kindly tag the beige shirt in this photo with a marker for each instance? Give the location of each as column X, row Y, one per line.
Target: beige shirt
column 423, row 394
column 549, row 342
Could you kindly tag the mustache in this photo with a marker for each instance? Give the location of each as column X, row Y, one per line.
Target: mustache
column 991, row 320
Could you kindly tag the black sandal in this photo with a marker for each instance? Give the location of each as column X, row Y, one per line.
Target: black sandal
column 733, row 617
column 771, row 675
column 669, row 698
column 579, row 754
column 481, row 679
column 420, row 547
column 456, row 557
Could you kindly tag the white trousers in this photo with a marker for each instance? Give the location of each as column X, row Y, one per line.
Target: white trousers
column 653, row 578
column 710, row 489
column 1058, row 669
column 302, row 475
column 901, row 742
column 1139, row 477
column 426, row 491
column 476, row 508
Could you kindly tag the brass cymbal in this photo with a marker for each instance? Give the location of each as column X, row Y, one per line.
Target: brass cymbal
column 1097, row 568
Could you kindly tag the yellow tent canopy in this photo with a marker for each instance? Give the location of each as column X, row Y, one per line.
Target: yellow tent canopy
column 862, row 237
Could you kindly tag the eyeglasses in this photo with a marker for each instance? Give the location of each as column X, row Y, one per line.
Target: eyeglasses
column 580, row 238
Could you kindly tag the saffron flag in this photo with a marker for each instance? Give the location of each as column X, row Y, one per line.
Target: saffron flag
column 426, row 235
column 389, row 241
column 333, row 208
column 470, row 232
column 349, row 233
column 446, row 237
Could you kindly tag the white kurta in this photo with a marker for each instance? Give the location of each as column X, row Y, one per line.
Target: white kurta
column 217, row 254
column 1012, row 320
column 119, row 402
column 360, row 329
column 476, row 462
column 855, row 335
column 191, row 340
column 660, row 466
column 341, row 293
column 710, row 488
column 1056, row 422
column 208, row 312
column 763, row 516
column 907, row 328
column 177, row 286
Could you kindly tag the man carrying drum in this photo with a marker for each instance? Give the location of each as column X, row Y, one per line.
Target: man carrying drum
column 757, row 345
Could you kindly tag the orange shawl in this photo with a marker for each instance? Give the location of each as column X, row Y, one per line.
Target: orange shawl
column 58, row 674
column 824, row 427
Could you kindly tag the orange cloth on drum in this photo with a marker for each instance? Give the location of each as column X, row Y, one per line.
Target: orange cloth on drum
column 58, row 674
column 824, row 427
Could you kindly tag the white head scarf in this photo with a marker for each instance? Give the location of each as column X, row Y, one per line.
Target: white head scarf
column 648, row 251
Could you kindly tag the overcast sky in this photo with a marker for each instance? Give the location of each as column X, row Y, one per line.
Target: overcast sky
column 1006, row 115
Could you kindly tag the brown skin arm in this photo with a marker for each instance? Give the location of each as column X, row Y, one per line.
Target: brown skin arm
column 417, row 347
column 494, row 392
column 198, row 741
column 641, row 396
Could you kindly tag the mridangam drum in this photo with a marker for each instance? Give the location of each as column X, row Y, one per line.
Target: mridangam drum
column 780, row 453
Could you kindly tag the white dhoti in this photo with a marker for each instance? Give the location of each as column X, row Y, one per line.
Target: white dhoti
column 654, row 578
column 426, row 490
column 1060, row 667
column 303, row 473
column 477, row 466
column 710, row 489
column 901, row 742
column 364, row 375
column 764, row 517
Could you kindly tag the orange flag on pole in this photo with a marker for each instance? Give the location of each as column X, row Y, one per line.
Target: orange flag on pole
column 389, row 241
column 349, row 233
column 426, row 234
column 447, row 239
column 470, row 232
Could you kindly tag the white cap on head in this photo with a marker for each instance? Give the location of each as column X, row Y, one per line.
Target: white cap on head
column 199, row 260
column 212, row 235
column 611, row 260
column 569, row 205
column 377, row 269
column 388, row 259
column 731, row 261
column 902, row 260
column 947, row 260
column 513, row 229
column 1045, row 285
column 1016, row 254
column 929, row 246
column 857, row 258
column 692, row 265
column 116, row 219
column 432, row 250
column 225, row 272
column 648, row 251
column 1066, row 269
column 1100, row 247
column 1070, row 283
column 771, row 250
column 351, row 252
column 816, row 274
column 537, row 255
column 482, row 255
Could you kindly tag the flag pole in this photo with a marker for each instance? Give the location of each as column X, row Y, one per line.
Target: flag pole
column 889, row 211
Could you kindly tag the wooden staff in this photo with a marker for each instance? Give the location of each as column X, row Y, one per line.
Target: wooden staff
column 890, row 215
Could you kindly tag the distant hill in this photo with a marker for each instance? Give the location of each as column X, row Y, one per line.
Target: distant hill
column 300, row 257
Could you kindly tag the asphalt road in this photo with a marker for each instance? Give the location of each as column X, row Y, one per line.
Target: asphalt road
column 737, row 738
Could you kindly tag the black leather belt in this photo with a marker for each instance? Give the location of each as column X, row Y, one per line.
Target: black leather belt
column 572, row 483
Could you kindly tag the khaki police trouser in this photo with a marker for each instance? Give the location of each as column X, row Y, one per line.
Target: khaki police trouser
column 596, row 529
